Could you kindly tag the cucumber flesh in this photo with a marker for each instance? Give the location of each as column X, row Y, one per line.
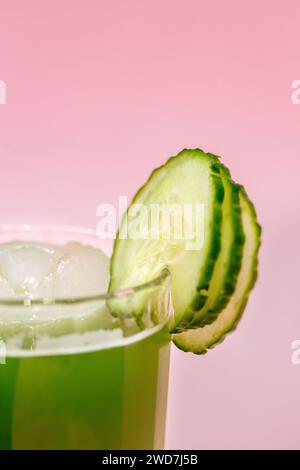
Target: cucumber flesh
column 229, row 261
column 199, row 340
column 192, row 177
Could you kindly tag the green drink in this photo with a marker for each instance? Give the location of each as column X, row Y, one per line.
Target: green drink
column 109, row 399
column 77, row 378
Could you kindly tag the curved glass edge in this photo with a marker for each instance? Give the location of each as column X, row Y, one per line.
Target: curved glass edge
column 155, row 282
column 162, row 280
column 126, row 341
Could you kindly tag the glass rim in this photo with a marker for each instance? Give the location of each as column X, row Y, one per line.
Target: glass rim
column 126, row 292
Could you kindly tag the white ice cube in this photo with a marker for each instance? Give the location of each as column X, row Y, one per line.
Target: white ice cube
column 40, row 270
column 81, row 271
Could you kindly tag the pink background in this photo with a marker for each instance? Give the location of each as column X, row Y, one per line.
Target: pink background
column 99, row 93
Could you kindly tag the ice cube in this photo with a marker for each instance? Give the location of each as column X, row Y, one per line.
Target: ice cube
column 40, row 270
column 82, row 270
column 26, row 266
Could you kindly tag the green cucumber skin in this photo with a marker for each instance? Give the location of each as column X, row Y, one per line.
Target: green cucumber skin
column 235, row 259
column 214, row 245
column 233, row 325
column 236, row 252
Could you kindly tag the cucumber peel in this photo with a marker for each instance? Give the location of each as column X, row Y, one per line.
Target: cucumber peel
column 228, row 264
column 199, row 340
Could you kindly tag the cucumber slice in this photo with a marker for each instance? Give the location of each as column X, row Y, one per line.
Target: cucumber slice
column 192, row 177
column 200, row 340
column 228, row 264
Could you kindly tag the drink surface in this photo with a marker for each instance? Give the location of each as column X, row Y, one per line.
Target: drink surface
column 74, row 377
